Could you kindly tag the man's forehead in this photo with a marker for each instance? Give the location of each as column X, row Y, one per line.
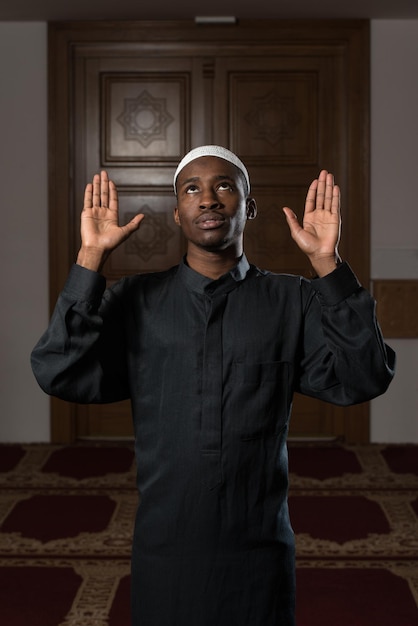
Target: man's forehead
column 218, row 152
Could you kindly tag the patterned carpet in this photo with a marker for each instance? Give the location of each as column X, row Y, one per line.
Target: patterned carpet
column 66, row 518
column 355, row 515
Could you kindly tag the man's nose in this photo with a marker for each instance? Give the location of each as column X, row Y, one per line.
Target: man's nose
column 209, row 200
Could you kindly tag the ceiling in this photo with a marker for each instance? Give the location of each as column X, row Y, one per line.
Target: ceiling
column 54, row 10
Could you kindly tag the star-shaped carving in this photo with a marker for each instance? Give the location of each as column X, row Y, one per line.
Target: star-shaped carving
column 274, row 117
column 152, row 237
column 145, row 118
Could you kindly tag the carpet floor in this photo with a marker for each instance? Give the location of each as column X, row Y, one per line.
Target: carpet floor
column 66, row 519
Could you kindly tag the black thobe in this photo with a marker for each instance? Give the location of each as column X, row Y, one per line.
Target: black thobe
column 210, row 367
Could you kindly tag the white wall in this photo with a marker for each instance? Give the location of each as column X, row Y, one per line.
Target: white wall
column 24, row 410
column 394, row 177
column 23, row 226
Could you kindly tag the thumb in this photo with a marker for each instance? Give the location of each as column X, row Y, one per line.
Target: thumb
column 133, row 225
column 292, row 220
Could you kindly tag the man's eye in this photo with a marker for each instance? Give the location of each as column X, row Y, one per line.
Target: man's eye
column 225, row 185
column 191, row 189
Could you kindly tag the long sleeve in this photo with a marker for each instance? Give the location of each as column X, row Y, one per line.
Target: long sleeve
column 344, row 360
column 81, row 356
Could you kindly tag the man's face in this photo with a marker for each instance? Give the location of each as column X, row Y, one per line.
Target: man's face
column 212, row 207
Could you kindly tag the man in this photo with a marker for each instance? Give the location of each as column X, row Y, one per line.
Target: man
column 210, row 353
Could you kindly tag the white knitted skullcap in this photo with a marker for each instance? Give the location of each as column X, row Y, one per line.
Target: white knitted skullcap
column 216, row 151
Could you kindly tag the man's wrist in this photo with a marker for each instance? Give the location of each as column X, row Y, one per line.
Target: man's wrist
column 325, row 265
column 91, row 259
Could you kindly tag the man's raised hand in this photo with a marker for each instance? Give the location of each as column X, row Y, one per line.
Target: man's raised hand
column 100, row 229
column 319, row 235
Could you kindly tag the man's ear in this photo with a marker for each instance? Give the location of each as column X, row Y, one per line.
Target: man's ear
column 251, row 208
column 176, row 216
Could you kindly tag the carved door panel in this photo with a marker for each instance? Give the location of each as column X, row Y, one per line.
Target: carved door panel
column 135, row 121
column 284, row 115
column 290, row 103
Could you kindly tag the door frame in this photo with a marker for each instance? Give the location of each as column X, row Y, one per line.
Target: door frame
column 353, row 37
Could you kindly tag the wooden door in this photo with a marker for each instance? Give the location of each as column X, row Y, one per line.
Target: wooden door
column 289, row 97
column 134, row 120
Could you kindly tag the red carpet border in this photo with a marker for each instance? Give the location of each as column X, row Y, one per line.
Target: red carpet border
column 66, row 520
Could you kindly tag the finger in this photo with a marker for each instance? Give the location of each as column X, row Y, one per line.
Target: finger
column 311, row 196
column 113, row 196
column 329, row 191
column 96, row 191
column 133, row 225
column 104, row 190
column 336, row 200
column 321, row 190
column 292, row 220
column 135, row 221
column 88, row 196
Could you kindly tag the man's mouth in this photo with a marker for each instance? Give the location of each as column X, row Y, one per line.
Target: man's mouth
column 210, row 220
